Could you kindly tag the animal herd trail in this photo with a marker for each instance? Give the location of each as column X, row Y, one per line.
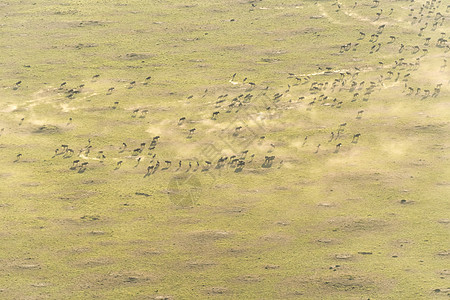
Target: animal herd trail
column 9, row 108
column 327, row 16
column 358, row 17
column 38, row 99
column 362, row 70
column 87, row 158
column 324, row 72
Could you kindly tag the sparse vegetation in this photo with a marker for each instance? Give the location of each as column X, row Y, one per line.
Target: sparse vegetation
column 223, row 149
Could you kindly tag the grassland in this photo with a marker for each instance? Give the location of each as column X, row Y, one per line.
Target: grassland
column 365, row 215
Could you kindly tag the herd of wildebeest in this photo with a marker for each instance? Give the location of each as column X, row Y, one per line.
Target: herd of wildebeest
column 339, row 88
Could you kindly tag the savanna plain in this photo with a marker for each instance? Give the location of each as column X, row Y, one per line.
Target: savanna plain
column 224, row 149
